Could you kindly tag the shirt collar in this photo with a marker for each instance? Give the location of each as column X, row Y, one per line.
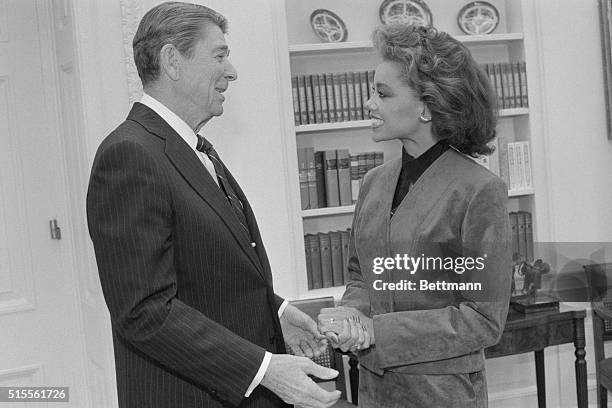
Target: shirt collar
column 419, row 164
column 175, row 122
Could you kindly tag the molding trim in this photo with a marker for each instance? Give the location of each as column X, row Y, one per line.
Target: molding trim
column 130, row 17
column 32, row 371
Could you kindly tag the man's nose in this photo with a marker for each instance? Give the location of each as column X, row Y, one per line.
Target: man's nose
column 230, row 72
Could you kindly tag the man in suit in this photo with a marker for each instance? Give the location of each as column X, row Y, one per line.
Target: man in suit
column 183, row 268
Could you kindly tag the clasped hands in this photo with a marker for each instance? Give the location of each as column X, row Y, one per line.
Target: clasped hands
column 287, row 376
column 346, row 328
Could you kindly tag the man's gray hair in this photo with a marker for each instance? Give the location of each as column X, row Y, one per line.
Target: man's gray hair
column 177, row 23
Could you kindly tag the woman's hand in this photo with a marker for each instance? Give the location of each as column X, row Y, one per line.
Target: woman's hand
column 346, row 328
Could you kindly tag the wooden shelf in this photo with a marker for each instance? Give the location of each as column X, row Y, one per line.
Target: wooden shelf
column 504, row 113
column 518, row 193
column 328, row 211
column 357, row 46
column 362, row 124
column 322, row 127
column 349, row 209
column 336, row 292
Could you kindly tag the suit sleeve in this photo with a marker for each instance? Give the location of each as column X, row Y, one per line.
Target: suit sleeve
column 130, row 218
column 476, row 322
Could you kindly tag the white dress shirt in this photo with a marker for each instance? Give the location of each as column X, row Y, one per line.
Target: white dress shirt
column 191, row 139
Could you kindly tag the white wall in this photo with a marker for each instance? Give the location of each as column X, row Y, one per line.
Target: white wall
column 579, row 154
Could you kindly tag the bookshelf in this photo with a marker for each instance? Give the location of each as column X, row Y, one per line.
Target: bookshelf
column 512, row 41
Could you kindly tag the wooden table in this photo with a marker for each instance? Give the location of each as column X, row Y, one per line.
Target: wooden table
column 534, row 332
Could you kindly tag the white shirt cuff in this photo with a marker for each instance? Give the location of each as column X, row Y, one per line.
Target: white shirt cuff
column 260, row 373
column 282, row 307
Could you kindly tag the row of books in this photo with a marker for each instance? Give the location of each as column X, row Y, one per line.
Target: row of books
column 522, row 236
column 512, row 162
column 342, row 96
column 326, row 258
column 327, row 252
column 331, row 178
column 331, row 97
column 509, row 79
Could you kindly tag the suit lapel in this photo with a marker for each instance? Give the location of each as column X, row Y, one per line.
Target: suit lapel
column 192, row 170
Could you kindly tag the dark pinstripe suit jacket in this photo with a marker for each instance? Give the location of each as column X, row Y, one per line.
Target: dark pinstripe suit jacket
column 191, row 301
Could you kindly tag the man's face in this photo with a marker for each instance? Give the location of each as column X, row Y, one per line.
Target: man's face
column 206, row 75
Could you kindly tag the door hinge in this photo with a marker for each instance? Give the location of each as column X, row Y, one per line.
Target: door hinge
column 56, row 232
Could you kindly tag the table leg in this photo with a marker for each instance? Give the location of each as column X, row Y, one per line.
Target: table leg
column 580, row 364
column 354, row 379
column 540, row 378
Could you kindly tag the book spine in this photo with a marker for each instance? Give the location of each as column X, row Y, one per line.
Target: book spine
column 522, row 237
column 320, row 177
column 326, row 260
column 523, row 76
column 309, row 99
column 354, row 177
column 331, row 179
column 514, row 236
column 338, row 98
column 361, row 160
column 357, row 94
column 312, row 178
column 336, row 256
column 379, row 158
column 501, row 85
column 308, row 261
column 344, row 240
column 315, row 261
column 344, row 177
column 302, row 100
column 520, row 168
column 507, row 79
column 303, row 177
column 329, row 90
column 345, row 98
column 527, row 165
column 323, row 98
column 363, row 79
column 516, row 85
column 370, row 161
column 316, row 96
column 296, row 100
column 529, row 237
column 511, row 166
column 503, row 158
column 350, row 95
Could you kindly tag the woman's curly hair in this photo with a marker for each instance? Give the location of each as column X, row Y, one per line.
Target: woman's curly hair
column 456, row 91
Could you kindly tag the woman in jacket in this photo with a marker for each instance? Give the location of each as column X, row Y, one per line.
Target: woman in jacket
column 429, row 256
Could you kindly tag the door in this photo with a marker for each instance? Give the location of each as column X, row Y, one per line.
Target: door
column 41, row 340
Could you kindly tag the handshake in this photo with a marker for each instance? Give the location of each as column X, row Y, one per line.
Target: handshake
column 288, row 375
column 346, row 328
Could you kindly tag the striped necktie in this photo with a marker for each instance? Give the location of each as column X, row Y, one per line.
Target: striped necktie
column 206, row 147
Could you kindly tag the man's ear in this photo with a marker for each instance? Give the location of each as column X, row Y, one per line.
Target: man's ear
column 170, row 61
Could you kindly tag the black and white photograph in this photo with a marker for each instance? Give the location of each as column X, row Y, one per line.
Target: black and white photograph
column 309, row 203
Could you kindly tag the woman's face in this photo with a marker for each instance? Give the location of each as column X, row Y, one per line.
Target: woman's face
column 394, row 106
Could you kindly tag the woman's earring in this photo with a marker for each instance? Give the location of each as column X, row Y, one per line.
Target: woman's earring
column 424, row 118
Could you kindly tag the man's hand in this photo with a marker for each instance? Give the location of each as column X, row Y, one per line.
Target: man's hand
column 347, row 328
column 287, row 377
column 301, row 333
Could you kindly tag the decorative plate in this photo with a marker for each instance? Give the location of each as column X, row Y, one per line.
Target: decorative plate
column 405, row 11
column 478, row 17
column 328, row 26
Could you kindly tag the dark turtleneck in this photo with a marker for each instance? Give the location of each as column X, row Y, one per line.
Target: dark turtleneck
column 413, row 168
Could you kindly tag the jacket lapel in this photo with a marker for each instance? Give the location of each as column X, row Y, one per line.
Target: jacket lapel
column 190, row 167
